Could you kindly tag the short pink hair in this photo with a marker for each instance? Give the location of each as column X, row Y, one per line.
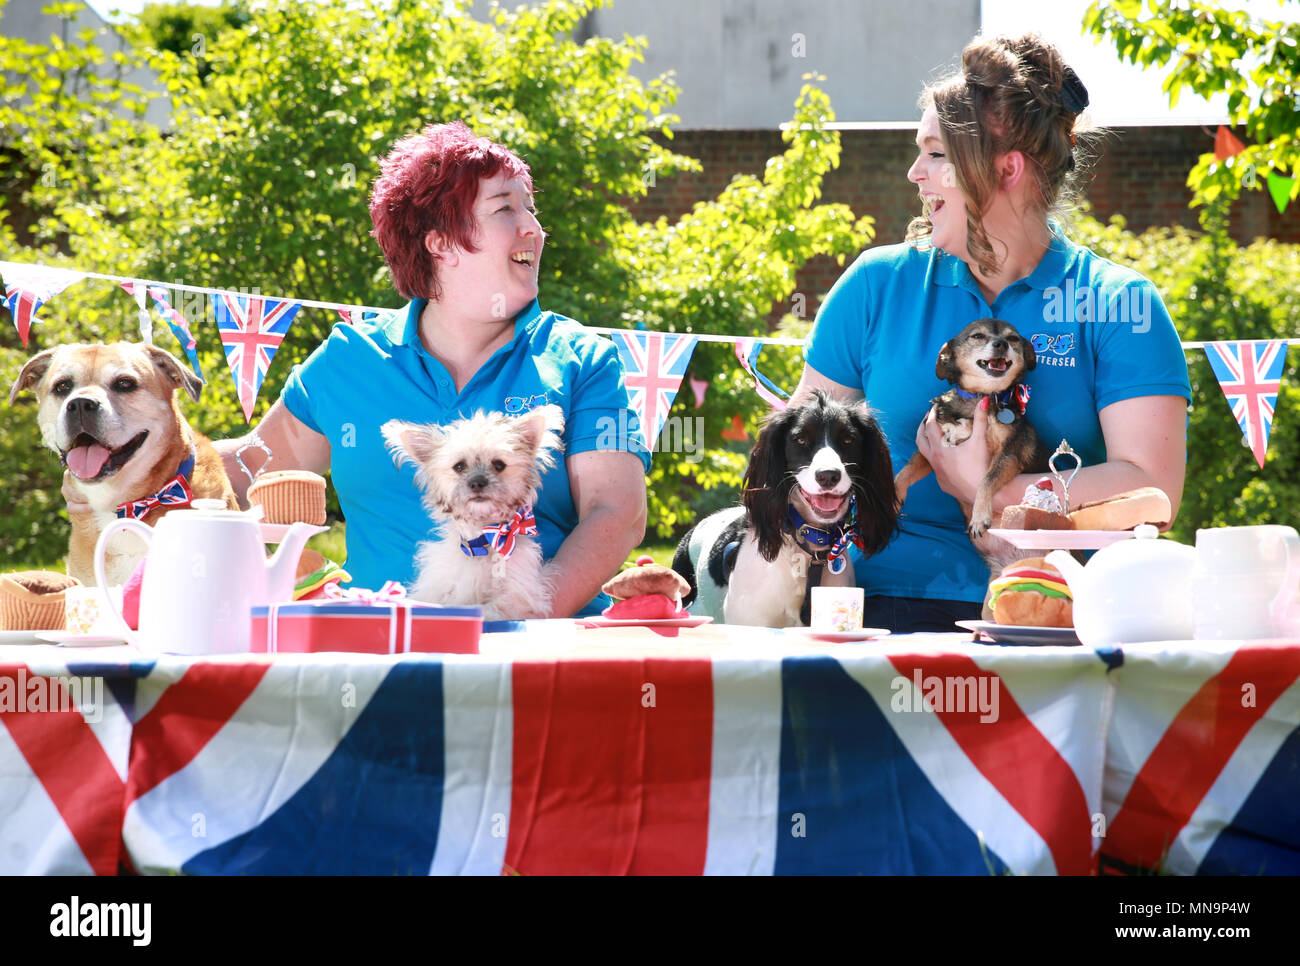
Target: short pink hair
column 429, row 182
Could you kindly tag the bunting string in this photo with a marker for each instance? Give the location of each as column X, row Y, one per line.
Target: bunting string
column 253, row 326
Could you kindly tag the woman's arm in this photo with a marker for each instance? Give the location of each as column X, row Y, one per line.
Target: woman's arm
column 293, row 447
column 609, row 494
column 812, row 379
column 1146, row 445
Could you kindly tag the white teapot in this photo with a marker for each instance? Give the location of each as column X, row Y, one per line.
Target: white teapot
column 206, row 569
column 1131, row 591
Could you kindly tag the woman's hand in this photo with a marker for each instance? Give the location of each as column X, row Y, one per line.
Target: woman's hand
column 957, row 469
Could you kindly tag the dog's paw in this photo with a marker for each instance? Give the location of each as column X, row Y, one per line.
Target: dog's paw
column 978, row 527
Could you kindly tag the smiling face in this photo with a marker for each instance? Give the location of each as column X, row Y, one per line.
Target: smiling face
column 933, row 174
column 500, row 278
column 987, row 356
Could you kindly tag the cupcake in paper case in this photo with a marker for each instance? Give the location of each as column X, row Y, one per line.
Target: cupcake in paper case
column 34, row 600
column 289, row 496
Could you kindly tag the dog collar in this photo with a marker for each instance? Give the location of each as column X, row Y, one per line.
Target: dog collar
column 175, row 493
column 1006, row 400
column 501, row 536
column 834, row 542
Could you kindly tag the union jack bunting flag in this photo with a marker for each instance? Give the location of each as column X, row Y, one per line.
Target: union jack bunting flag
column 747, row 351
column 252, row 328
column 28, row 287
column 180, row 328
column 654, row 364
column 1251, row 375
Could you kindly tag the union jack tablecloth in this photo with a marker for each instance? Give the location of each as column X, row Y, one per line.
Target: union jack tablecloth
column 725, row 751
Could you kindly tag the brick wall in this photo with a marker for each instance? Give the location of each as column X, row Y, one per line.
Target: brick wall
column 1140, row 173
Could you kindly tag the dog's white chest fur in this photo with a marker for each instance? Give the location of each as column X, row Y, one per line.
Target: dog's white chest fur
column 507, row 588
column 772, row 594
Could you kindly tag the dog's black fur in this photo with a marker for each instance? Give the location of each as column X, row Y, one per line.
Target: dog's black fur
column 787, row 445
column 1014, row 446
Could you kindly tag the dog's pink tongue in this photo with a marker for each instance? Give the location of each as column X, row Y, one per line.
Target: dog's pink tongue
column 825, row 502
column 85, row 462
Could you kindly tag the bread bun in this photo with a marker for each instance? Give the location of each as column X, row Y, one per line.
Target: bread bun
column 647, row 578
column 1031, row 593
column 1124, row 511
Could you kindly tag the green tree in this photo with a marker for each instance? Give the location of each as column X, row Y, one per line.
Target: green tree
column 184, row 29
column 1217, row 50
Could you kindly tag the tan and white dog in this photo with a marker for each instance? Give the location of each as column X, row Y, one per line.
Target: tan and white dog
column 110, row 412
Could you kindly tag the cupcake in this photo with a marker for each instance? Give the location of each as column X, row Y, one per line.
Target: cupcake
column 290, row 496
column 33, row 600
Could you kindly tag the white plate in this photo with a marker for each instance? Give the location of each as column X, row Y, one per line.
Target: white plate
column 276, row 532
column 842, row 637
column 664, row 622
column 20, row 637
column 1018, row 634
column 1062, row 539
column 79, row 640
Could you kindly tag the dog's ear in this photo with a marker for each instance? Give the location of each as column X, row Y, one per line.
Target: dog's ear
column 766, row 492
column 170, row 369
column 1027, row 350
column 411, row 441
column 946, row 366
column 542, row 430
column 32, row 372
column 873, row 483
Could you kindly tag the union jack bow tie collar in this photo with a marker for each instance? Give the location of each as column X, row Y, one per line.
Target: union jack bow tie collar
column 501, row 536
column 175, row 493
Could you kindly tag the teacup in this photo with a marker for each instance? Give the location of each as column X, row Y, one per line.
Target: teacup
column 837, row 609
column 85, row 614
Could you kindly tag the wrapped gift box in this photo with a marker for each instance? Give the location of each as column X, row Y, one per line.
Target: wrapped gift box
column 381, row 627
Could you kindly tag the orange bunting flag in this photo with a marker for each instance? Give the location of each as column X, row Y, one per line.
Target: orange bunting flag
column 736, row 430
column 1226, row 144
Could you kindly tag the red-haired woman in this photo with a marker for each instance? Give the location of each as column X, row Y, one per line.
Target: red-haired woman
column 455, row 218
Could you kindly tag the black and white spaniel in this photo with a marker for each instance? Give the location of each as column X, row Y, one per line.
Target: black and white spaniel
column 819, row 478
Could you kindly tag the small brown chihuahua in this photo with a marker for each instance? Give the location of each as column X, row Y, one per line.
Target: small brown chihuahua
column 986, row 359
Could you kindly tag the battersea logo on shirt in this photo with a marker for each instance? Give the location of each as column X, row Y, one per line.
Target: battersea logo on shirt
column 515, row 405
column 1053, row 350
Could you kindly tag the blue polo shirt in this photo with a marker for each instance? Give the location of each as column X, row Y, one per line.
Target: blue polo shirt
column 363, row 375
column 1100, row 333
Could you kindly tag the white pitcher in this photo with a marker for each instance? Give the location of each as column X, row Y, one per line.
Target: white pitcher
column 206, row 570
column 1247, row 583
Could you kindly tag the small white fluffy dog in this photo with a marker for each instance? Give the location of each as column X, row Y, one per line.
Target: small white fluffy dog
column 479, row 478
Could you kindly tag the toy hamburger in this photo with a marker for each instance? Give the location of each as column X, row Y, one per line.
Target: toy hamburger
column 1031, row 593
column 647, row 591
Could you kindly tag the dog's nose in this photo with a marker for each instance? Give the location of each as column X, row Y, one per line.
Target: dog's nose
column 478, row 482
column 827, row 478
column 999, row 345
column 82, row 406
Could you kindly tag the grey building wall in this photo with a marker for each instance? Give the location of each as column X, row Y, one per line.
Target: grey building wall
column 740, row 63
column 23, row 18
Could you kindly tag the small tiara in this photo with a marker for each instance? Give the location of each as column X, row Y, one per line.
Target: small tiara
column 1073, row 94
